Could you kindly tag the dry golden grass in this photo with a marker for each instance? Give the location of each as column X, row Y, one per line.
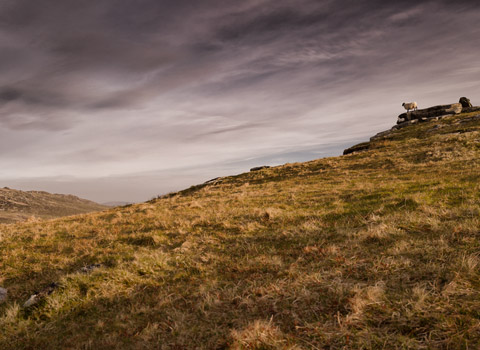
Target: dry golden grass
column 375, row 250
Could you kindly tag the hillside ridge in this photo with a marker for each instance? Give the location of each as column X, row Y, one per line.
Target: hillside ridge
column 17, row 205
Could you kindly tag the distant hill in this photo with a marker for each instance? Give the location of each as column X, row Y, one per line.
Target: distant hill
column 376, row 249
column 18, row 205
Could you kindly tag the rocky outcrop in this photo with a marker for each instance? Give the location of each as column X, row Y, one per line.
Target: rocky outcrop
column 357, row 148
column 432, row 112
column 419, row 116
column 470, row 109
column 470, row 119
column 215, row 179
column 260, row 168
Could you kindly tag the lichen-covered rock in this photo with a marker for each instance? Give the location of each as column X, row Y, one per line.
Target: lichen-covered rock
column 465, row 102
column 432, row 112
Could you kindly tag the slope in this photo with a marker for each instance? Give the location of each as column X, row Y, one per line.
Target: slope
column 376, row 249
column 18, row 205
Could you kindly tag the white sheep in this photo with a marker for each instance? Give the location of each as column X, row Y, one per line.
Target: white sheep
column 409, row 106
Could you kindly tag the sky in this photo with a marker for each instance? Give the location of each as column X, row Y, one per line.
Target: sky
column 124, row 100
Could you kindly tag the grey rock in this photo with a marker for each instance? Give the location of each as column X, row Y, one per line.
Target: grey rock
column 90, row 268
column 3, row 295
column 465, row 102
column 33, row 300
column 469, row 119
column 36, row 297
column 211, row 181
column 436, row 127
column 382, row 135
column 364, row 146
column 440, row 117
column 260, row 168
column 401, row 125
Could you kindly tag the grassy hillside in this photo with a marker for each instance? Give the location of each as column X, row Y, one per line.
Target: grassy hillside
column 374, row 250
column 18, row 205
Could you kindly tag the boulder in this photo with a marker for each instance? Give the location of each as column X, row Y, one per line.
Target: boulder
column 465, row 102
column 432, row 112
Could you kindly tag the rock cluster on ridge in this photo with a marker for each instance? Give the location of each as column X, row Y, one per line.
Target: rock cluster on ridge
column 419, row 116
column 431, row 112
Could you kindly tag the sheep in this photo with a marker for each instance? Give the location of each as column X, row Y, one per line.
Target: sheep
column 409, row 106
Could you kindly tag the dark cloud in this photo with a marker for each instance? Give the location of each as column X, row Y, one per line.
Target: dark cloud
column 37, row 98
column 9, row 94
column 151, row 47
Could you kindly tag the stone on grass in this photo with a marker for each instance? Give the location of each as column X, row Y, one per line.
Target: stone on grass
column 36, row 297
column 3, row 295
column 90, row 268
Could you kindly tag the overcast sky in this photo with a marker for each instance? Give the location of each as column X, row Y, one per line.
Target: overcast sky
column 127, row 99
